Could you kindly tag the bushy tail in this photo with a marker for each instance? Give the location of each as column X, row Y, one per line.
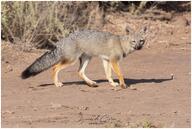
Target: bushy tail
column 42, row 63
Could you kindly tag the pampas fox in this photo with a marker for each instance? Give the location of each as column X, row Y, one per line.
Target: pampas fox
column 82, row 46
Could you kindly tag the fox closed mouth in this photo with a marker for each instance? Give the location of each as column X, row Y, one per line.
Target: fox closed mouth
column 138, row 47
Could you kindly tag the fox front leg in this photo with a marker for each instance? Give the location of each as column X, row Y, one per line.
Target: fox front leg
column 116, row 69
column 107, row 68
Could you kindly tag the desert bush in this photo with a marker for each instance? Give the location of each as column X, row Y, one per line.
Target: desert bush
column 31, row 22
column 36, row 23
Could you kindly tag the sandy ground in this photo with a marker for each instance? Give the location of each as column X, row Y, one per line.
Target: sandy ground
column 157, row 101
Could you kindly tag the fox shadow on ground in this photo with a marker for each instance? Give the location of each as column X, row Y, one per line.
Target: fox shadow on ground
column 128, row 81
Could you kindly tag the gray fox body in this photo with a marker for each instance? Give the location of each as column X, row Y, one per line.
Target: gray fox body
column 82, row 46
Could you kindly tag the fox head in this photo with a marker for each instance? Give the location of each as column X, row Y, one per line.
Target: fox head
column 133, row 40
column 136, row 39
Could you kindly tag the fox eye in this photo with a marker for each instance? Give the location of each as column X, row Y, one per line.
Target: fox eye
column 133, row 41
column 142, row 40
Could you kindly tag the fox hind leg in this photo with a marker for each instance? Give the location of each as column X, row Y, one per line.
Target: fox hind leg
column 84, row 60
column 57, row 68
column 107, row 68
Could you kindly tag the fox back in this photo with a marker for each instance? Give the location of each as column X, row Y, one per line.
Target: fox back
column 97, row 43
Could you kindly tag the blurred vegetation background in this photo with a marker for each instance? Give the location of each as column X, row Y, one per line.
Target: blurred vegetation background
column 40, row 24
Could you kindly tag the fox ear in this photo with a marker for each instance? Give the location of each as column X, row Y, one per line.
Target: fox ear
column 128, row 30
column 143, row 30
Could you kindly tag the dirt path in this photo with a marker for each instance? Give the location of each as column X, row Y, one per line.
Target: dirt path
column 157, row 101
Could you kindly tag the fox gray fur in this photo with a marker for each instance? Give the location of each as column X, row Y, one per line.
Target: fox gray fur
column 82, row 46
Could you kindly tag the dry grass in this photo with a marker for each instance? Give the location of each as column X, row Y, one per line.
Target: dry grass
column 36, row 23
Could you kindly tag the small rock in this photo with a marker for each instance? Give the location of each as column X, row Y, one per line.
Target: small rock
column 84, row 90
column 172, row 76
column 83, row 108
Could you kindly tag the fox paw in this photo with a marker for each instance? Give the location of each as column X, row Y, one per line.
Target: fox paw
column 123, row 86
column 114, row 84
column 58, row 84
column 93, row 84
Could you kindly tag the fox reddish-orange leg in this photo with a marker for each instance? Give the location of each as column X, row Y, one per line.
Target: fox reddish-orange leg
column 117, row 71
column 58, row 67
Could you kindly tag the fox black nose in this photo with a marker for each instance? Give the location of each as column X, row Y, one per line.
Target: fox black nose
column 139, row 47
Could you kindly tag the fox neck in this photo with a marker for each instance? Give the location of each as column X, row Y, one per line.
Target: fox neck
column 125, row 45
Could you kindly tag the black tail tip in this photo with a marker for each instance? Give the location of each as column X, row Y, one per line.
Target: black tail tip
column 26, row 74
